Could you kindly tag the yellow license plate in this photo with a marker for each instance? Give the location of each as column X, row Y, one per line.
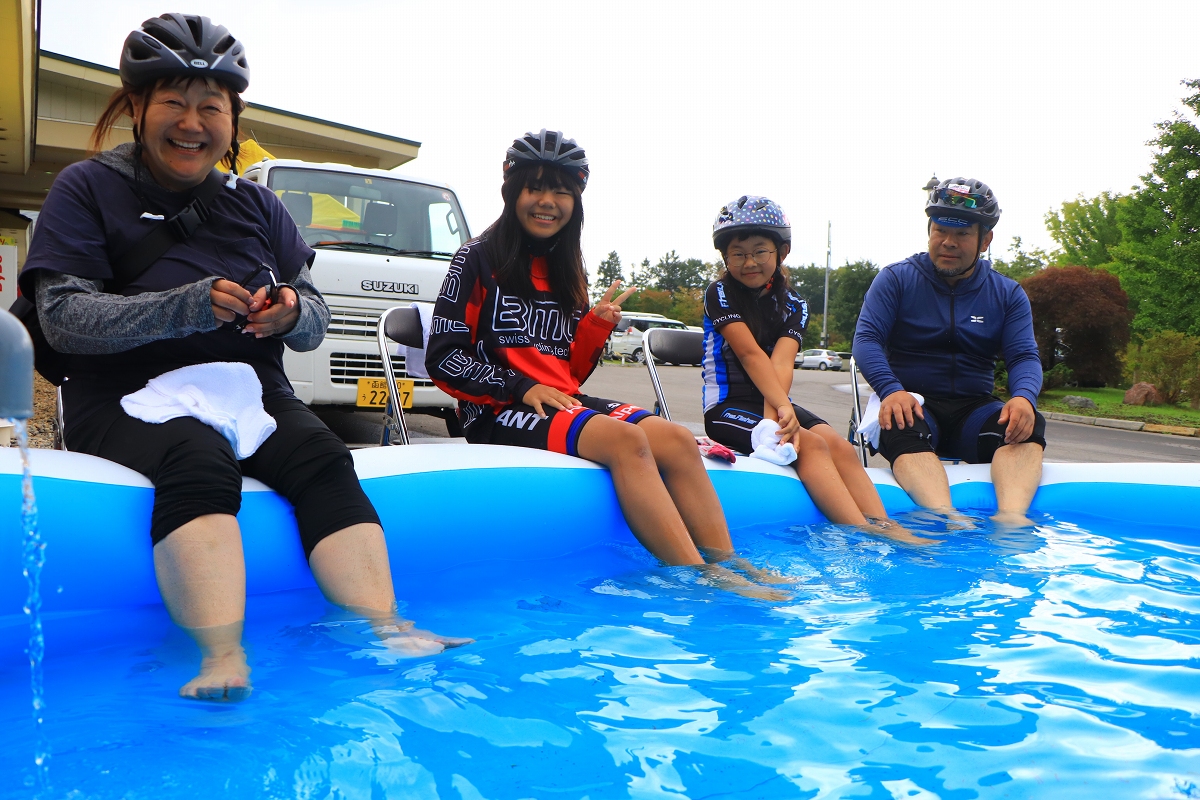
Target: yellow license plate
column 373, row 392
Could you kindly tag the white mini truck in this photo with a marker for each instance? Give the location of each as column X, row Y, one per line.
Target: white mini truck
column 382, row 240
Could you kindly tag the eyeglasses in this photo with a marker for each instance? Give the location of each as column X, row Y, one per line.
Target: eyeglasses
column 761, row 256
column 955, row 197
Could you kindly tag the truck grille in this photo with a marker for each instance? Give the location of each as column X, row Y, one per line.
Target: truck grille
column 344, row 322
column 347, row 368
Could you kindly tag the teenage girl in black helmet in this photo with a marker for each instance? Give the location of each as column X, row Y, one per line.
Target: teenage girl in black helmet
column 514, row 339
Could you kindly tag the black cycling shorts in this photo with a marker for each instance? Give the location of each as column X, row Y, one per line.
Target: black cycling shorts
column 520, row 426
column 964, row 429
column 195, row 471
column 732, row 422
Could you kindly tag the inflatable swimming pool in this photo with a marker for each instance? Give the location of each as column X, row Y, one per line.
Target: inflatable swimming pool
column 1023, row 664
column 450, row 505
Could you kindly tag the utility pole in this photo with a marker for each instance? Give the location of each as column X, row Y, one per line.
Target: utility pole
column 825, row 308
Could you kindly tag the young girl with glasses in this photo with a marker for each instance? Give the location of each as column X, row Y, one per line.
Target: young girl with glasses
column 513, row 339
column 753, row 327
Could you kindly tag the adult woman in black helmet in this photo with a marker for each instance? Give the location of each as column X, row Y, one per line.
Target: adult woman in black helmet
column 194, row 305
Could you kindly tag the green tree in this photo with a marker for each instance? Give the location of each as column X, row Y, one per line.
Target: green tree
column 687, row 306
column 1085, row 228
column 609, row 271
column 641, row 275
column 650, row 301
column 1171, row 361
column 1158, row 257
column 1021, row 263
column 853, row 280
column 672, row 273
column 809, row 283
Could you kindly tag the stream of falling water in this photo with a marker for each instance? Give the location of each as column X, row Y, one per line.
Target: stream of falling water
column 34, row 559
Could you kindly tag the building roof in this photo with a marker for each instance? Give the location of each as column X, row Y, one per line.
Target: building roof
column 50, row 102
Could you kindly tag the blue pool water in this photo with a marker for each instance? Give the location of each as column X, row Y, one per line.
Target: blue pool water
column 1043, row 663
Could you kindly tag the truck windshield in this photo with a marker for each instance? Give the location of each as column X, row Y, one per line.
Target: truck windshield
column 346, row 211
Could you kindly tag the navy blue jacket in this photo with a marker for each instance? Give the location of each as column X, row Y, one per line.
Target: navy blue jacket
column 917, row 334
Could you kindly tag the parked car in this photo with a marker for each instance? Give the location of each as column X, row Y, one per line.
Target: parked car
column 819, row 359
column 626, row 339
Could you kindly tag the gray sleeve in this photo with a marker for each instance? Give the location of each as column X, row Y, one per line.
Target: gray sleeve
column 78, row 317
column 309, row 330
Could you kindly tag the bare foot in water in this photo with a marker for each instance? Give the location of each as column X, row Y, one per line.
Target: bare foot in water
column 892, row 530
column 730, row 581
column 1011, row 519
column 224, row 677
column 408, row 642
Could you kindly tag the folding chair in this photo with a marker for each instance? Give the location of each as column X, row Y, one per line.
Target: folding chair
column 671, row 346
column 856, row 438
column 400, row 325
column 60, row 439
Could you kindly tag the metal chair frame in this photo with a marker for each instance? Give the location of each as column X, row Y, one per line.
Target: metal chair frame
column 675, row 343
column 60, row 436
column 856, row 438
column 405, row 322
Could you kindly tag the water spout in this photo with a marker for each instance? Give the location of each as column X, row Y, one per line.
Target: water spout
column 16, row 402
column 16, row 369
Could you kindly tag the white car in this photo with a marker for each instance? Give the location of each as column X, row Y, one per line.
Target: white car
column 626, row 340
column 818, row 359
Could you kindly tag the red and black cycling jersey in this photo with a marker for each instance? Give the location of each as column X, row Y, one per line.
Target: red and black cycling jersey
column 487, row 348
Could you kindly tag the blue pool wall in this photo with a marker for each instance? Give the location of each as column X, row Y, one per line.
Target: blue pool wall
column 448, row 506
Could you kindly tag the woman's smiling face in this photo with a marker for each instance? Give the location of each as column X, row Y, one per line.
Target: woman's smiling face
column 544, row 210
column 186, row 129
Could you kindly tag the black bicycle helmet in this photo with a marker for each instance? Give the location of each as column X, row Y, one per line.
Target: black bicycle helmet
column 960, row 202
column 550, row 147
column 179, row 45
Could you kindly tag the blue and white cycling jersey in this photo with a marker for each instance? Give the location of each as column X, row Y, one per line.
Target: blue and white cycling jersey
column 724, row 377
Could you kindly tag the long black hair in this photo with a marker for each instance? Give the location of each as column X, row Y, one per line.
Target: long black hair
column 509, row 248
column 746, row 301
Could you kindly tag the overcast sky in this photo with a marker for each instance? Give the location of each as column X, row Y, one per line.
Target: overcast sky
column 838, row 111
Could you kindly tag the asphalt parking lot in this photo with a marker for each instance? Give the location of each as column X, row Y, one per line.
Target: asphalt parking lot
column 826, row 394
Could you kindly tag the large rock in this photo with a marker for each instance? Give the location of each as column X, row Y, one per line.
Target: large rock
column 1075, row 401
column 1142, row 394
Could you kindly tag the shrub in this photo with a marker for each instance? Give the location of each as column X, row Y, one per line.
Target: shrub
column 1059, row 376
column 1093, row 313
column 1171, row 361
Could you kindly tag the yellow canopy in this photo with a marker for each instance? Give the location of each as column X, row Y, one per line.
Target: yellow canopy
column 327, row 212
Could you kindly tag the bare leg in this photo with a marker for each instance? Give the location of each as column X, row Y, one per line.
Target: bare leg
column 679, row 461
column 854, row 476
column 351, row 567
column 823, row 481
column 202, row 577
column 924, row 478
column 648, row 507
column 1016, row 473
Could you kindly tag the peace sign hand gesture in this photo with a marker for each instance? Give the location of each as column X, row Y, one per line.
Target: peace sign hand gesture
column 608, row 309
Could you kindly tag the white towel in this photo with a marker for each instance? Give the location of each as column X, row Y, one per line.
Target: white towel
column 224, row 395
column 765, row 441
column 414, row 359
column 870, row 425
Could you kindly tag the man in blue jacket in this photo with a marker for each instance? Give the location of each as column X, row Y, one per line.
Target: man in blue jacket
column 934, row 325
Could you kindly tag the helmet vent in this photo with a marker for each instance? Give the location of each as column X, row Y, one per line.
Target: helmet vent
column 193, row 24
column 223, row 46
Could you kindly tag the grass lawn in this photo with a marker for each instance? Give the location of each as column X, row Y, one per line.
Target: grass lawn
column 1108, row 402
